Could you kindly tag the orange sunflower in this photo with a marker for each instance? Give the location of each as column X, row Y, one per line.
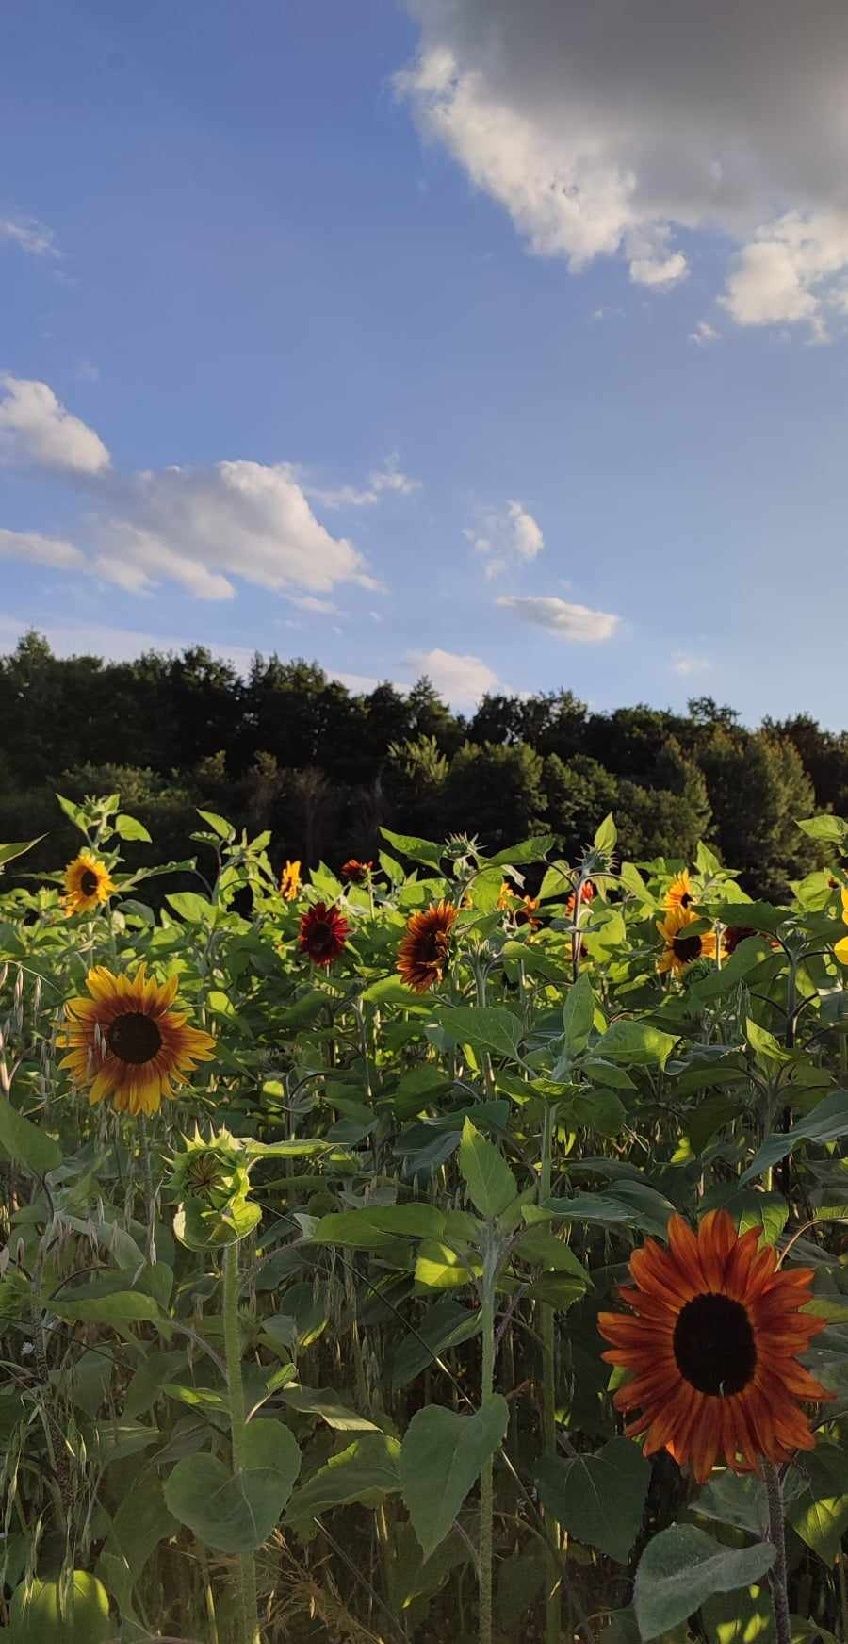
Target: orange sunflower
column 711, row 1344
column 679, row 949
column 88, row 884
column 127, row 1044
column 290, row 881
column 587, row 894
column 680, row 893
column 425, row 949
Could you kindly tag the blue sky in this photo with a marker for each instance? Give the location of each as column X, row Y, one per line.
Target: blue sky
column 431, row 339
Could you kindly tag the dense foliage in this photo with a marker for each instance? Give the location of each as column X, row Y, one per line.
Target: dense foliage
column 316, row 1202
column 295, row 752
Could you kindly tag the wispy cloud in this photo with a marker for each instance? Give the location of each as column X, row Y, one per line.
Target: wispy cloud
column 388, row 479
column 29, row 235
column 561, row 617
column 506, row 537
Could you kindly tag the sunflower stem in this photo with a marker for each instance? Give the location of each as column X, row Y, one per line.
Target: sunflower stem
column 151, row 1194
column 777, row 1536
column 487, row 1491
column 246, row 1567
column 553, row 1608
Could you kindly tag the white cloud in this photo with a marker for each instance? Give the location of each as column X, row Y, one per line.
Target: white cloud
column 461, row 679
column 314, row 604
column 506, row 537
column 704, row 334
column 389, row 478
column 567, row 621
column 29, row 235
column 36, row 428
column 32, row 546
column 611, row 130
column 686, row 664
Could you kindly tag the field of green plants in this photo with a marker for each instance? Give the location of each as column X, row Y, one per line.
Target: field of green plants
column 439, row 1248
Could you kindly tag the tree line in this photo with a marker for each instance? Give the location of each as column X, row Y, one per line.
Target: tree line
column 290, row 750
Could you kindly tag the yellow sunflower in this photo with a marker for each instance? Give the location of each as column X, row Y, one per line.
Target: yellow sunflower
column 290, row 881
column 680, row 950
column 680, row 893
column 127, row 1044
column 841, row 948
column 88, row 884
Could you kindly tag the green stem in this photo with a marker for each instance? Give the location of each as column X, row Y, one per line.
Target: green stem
column 553, row 1614
column 249, row 1628
column 779, row 1591
column 487, row 1489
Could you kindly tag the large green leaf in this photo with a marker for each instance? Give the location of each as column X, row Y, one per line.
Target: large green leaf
column 636, row 1044
column 598, row 1498
column 121, row 1307
column 25, row 1143
column 8, row 853
column 819, row 1513
column 530, row 850
column 682, row 1567
column 441, row 1457
column 418, row 850
column 235, row 1513
column 826, row 1123
column 578, row 1015
column 365, row 1471
column 488, row 1179
column 373, row 1228
column 489, row 1026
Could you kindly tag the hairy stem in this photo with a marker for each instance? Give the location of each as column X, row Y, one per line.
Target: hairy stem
column 249, row 1628
column 487, row 1494
column 779, row 1591
column 553, row 1609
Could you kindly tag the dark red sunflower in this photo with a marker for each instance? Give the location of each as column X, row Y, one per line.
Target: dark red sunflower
column 735, row 934
column 354, row 872
column 425, row 949
column 323, row 934
column 711, row 1343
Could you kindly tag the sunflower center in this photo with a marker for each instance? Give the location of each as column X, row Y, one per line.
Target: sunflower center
column 714, row 1345
column 134, row 1037
column 686, row 899
column 322, row 938
column 686, row 948
column 88, row 882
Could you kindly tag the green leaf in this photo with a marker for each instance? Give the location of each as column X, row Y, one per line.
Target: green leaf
column 578, row 1015
column 218, row 824
column 764, row 1043
column 606, row 835
column 373, row 1227
column 418, row 850
column 75, row 813
column 235, row 1513
column 820, row 1514
column 121, row 1307
column 636, row 1043
column 128, row 828
column 539, row 1246
column 442, row 1456
column 191, row 907
column 322, row 1401
column 489, row 1181
column 446, row 1324
column 8, row 853
column 366, row 1471
column 682, row 1567
column 25, row 1143
column 600, row 1498
column 826, row 1123
column 530, row 850
column 488, row 1025
column 35, row 1616
column 829, row 830
column 142, row 1520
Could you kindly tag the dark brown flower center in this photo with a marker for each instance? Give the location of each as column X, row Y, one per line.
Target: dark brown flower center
column 88, row 882
column 736, row 934
column 714, row 1345
column 686, row 899
column 686, row 948
column 322, row 937
column 134, row 1037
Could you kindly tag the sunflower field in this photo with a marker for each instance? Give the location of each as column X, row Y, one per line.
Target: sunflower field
column 443, row 1248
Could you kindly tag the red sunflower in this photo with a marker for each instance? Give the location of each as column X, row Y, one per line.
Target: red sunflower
column 323, row 934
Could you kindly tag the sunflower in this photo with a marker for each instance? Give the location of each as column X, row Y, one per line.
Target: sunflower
column 88, row 884
column 425, row 949
column 680, row 893
column 587, row 894
column 127, row 1044
column 323, row 934
column 841, row 948
column 290, row 881
column 679, row 950
column 354, row 872
column 712, row 1348
column 734, row 934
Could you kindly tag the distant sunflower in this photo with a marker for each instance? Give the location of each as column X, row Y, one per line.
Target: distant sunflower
column 525, row 913
column 680, row 893
column 88, row 884
column 506, row 896
column 127, row 1044
column 841, row 948
column 323, row 934
column 290, row 881
column 711, row 1343
column 354, row 872
column 425, row 948
column 587, row 894
column 680, row 950
column 734, row 934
